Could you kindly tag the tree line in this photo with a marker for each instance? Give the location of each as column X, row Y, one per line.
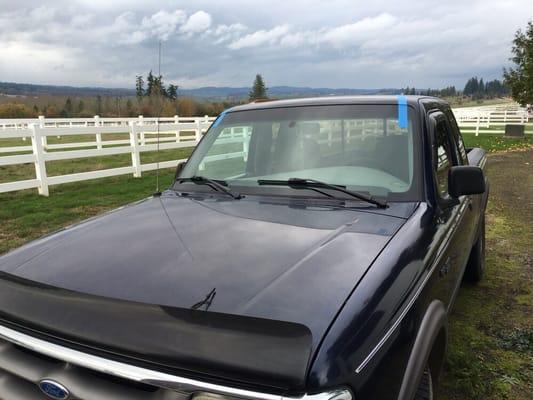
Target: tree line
column 106, row 106
column 154, row 87
column 448, row 91
column 478, row 89
column 475, row 88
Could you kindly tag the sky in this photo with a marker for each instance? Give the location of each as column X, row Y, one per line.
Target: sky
column 311, row 43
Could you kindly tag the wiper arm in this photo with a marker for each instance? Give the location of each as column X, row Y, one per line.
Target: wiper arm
column 217, row 185
column 299, row 183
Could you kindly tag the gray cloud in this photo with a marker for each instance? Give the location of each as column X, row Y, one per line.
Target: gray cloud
column 338, row 43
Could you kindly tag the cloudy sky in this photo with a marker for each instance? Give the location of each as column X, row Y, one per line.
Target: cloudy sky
column 317, row 43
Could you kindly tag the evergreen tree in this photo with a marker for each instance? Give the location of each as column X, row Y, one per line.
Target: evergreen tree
column 520, row 78
column 466, row 90
column 481, row 87
column 259, row 90
column 150, row 80
column 172, row 92
column 471, row 87
column 139, row 86
column 159, row 87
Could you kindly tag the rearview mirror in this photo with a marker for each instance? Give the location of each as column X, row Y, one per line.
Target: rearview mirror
column 465, row 180
column 179, row 168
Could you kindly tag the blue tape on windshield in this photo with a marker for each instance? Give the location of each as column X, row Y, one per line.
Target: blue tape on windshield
column 219, row 119
column 402, row 112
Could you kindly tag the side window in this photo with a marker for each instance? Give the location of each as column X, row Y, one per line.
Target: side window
column 443, row 156
column 458, row 139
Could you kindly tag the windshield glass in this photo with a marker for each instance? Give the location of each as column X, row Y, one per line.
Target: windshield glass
column 361, row 147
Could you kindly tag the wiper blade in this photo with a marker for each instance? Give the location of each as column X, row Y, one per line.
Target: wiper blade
column 299, row 183
column 218, row 185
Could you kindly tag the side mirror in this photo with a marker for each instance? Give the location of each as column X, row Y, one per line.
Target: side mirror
column 465, row 180
column 179, row 168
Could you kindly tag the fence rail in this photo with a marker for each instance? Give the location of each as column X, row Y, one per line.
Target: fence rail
column 490, row 119
column 174, row 133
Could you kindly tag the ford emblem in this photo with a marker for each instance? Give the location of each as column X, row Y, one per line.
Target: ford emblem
column 54, row 390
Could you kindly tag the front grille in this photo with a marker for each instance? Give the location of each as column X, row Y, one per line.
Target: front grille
column 21, row 370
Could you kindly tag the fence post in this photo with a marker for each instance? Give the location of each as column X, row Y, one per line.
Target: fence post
column 177, row 122
column 206, row 122
column 40, row 163
column 43, row 137
column 246, row 133
column 198, row 131
column 477, row 124
column 141, row 123
column 98, row 134
column 135, row 156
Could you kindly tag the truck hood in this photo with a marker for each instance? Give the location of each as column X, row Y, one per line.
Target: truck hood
column 206, row 268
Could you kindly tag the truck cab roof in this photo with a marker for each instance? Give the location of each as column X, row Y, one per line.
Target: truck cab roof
column 334, row 100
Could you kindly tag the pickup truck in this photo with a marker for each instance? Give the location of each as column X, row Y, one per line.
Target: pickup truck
column 309, row 249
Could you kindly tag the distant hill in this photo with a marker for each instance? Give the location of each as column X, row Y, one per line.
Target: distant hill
column 213, row 92
column 28, row 89
column 207, row 93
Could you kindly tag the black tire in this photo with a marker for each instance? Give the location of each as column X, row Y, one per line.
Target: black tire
column 425, row 389
column 476, row 262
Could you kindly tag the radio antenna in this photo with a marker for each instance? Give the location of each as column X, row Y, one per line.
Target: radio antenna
column 160, row 106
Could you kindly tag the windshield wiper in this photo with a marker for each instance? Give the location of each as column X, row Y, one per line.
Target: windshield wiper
column 302, row 183
column 218, row 185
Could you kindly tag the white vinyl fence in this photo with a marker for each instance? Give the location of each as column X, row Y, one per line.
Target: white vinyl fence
column 141, row 134
column 490, row 119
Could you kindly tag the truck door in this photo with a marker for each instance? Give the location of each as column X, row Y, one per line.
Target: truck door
column 474, row 202
column 452, row 219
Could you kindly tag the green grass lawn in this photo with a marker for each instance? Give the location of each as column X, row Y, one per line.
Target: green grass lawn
column 493, row 143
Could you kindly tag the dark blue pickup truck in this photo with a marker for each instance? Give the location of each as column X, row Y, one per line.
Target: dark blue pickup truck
column 309, row 249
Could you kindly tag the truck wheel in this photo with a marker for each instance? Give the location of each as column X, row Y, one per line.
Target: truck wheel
column 425, row 389
column 476, row 262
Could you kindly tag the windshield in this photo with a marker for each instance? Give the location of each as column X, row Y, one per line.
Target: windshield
column 361, row 147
